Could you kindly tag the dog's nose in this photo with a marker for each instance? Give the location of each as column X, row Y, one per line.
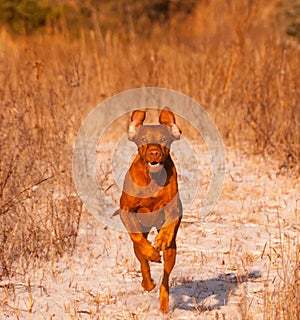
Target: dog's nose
column 154, row 154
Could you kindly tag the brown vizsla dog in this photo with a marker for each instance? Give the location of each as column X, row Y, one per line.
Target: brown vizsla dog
column 150, row 197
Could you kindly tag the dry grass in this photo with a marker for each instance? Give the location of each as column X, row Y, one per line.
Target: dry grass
column 282, row 301
column 230, row 56
column 39, row 210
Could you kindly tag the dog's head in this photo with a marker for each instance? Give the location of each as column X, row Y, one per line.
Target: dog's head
column 154, row 141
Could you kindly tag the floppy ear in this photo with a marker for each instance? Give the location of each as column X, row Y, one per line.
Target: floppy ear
column 137, row 119
column 167, row 118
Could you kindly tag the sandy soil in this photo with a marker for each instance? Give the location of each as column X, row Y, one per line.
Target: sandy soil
column 226, row 262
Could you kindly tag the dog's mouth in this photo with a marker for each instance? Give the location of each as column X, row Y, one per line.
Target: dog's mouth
column 154, row 165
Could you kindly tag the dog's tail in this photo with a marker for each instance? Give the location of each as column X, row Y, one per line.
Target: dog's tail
column 116, row 213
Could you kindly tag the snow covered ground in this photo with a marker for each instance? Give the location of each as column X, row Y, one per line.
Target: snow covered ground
column 226, row 261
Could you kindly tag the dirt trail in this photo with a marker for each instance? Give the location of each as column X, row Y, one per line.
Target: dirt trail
column 226, row 260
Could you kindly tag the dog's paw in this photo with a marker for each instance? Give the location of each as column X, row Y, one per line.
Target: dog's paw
column 163, row 240
column 151, row 254
column 148, row 285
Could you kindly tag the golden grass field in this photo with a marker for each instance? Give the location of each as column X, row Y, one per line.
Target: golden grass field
column 233, row 57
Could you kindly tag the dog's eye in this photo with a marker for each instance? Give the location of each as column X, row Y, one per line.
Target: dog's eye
column 144, row 140
column 163, row 139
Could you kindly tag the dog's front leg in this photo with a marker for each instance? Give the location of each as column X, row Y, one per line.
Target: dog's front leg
column 166, row 235
column 141, row 245
column 168, row 231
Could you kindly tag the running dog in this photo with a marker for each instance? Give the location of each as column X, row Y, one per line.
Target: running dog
column 150, row 197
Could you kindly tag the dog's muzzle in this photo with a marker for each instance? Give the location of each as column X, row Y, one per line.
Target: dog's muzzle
column 154, row 158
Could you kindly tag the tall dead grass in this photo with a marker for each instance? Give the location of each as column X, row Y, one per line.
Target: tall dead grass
column 39, row 210
column 230, row 56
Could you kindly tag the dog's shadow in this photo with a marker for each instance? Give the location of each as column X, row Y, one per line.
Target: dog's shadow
column 208, row 294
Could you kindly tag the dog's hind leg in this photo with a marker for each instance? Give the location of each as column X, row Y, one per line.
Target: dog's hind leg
column 169, row 262
column 169, row 255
